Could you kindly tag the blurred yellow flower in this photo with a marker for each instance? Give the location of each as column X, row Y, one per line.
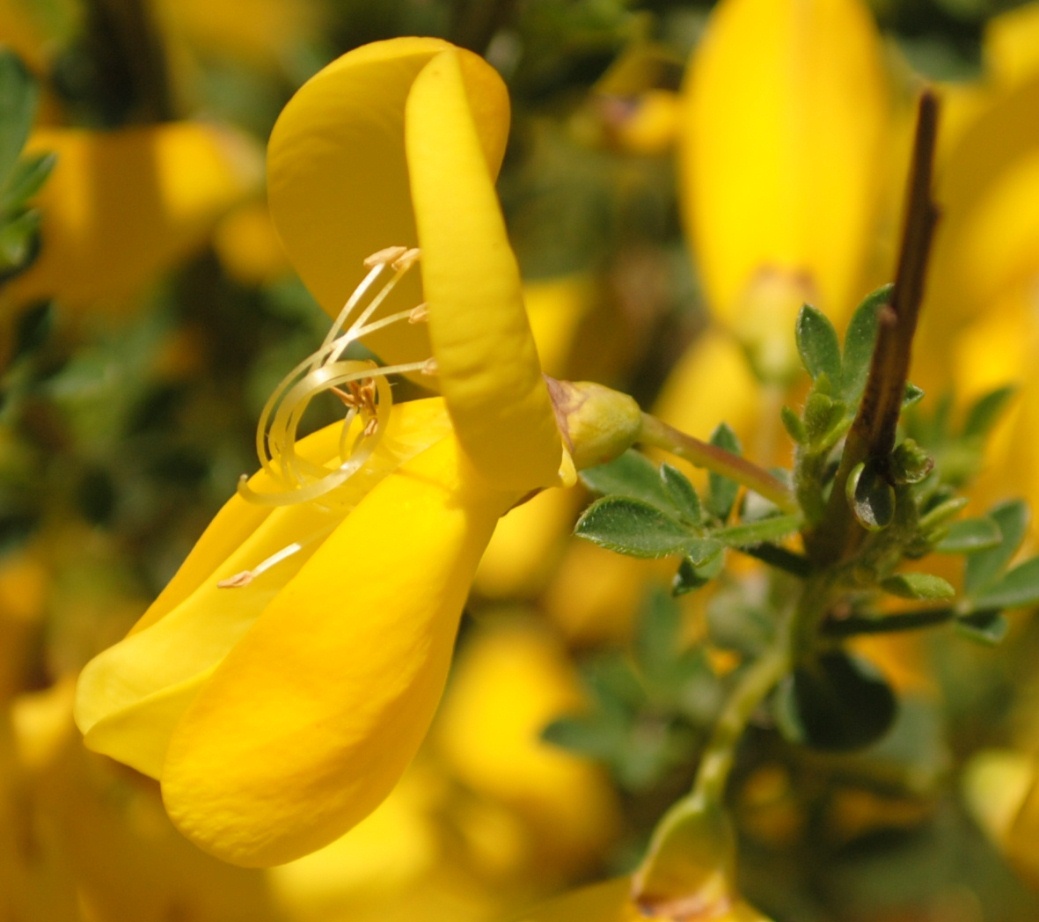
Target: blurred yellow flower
column 781, row 163
column 122, row 206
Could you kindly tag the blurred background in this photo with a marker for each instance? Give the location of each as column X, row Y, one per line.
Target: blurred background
column 147, row 311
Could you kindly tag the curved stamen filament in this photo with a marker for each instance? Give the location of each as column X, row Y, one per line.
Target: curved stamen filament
column 362, row 386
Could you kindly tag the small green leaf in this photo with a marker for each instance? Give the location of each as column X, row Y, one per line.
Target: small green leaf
column 985, row 412
column 910, row 463
column 18, row 239
column 631, row 474
column 836, row 703
column 913, row 395
column 18, row 97
column 871, row 497
column 970, row 536
column 793, row 425
column 682, row 494
column 823, row 416
column 859, row 341
column 633, row 527
column 985, row 567
column 722, row 492
column 985, row 627
column 818, row 345
column 743, row 629
column 1018, row 588
column 942, row 512
column 692, row 576
column 924, row 586
column 25, row 181
column 748, row 533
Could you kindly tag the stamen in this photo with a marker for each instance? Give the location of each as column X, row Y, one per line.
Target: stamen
column 362, row 386
column 419, row 314
column 385, row 256
column 247, row 576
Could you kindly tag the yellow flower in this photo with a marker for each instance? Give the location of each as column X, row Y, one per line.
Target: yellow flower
column 785, row 108
column 284, row 679
column 122, row 206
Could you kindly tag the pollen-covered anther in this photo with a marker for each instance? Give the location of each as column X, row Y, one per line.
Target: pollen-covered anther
column 430, row 367
column 385, row 256
column 419, row 314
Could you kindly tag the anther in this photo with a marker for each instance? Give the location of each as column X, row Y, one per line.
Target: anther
column 419, row 314
column 247, row 576
column 430, row 367
column 389, row 255
column 406, row 259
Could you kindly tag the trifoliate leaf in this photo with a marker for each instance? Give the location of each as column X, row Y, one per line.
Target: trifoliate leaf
column 18, row 97
column 985, row 412
column 633, row 527
column 682, row 494
column 631, row 474
column 985, row 567
column 1018, row 588
column 26, row 179
column 985, row 627
column 924, row 586
column 749, row 533
column 722, row 492
column 970, row 536
column 793, row 425
column 818, row 345
column 859, row 341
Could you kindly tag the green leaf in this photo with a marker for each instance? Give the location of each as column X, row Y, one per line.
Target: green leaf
column 18, row 97
column 748, row 533
column 722, row 492
column 793, row 425
column 925, row 586
column 970, row 536
column 818, row 345
column 682, row 494
column 836, row 703
column 631, row 474
column 913, row 395
column 692, row 576
column 633, row 527
column 823, row 418
column 859, row 341
column 985, row 627
column 985, row 412
column 26, row 180
column 1018, row 588
column 657, row 634
column 985, row 567
column 871, row 497
column 743, row 629
column 18, row 239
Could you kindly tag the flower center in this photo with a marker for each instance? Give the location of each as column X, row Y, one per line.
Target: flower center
column 362, row 386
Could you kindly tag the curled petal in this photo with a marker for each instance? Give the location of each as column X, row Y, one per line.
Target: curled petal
column 330, row 692
column 131, row 696
column 487, row 362
column 337, row 177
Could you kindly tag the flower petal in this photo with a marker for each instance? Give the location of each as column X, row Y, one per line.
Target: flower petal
column 786, row 104
column 338, row 181
column 487, row 362
column 131, row 696
column 311, row 719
